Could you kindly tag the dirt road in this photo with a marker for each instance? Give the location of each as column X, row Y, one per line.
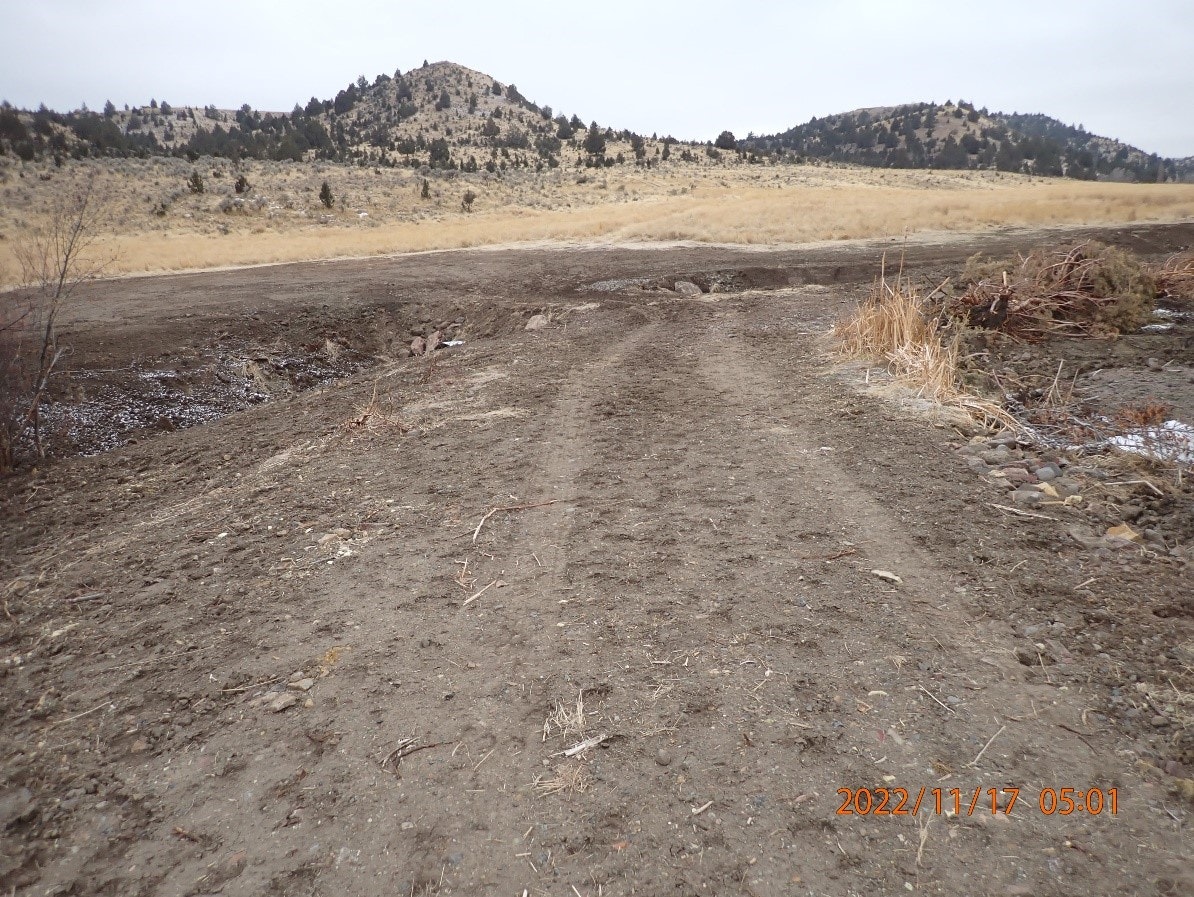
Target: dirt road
column 297, row 651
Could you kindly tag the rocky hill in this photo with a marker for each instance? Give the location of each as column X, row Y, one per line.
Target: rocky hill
column 959, row 135
column 440, row 115
column 446, row 116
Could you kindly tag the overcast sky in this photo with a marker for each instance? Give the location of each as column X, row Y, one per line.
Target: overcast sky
column 691, row 69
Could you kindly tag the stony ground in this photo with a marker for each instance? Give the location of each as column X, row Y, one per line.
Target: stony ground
column 615, row 606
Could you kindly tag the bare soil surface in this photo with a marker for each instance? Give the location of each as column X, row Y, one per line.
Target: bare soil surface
column 587, row 610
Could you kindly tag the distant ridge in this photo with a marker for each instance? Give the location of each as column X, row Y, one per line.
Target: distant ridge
column 959, row 135
column 446, row 116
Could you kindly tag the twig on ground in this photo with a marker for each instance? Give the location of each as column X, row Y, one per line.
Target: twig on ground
column 492, row 511
column 924, row 838
column 990, row 741
column 70, row 719
column 1020, row 513
column 230, row 691
column 1157, row 491
column 405, row 748
column 585, row 745
column 469, row 600
column 935, row 698
column 91, row 597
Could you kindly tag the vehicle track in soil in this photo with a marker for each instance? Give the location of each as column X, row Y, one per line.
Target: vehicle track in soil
column 702, row 579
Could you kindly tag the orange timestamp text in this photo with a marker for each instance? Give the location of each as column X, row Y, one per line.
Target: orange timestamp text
column 959, row 802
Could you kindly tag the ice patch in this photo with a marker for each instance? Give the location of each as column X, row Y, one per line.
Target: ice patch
column 1172, row 441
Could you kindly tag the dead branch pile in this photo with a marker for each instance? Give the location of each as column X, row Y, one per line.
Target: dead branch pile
column 1088, row 290
column 1175, row 278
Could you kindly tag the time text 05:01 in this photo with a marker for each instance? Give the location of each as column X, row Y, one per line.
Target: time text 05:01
column 959, row 802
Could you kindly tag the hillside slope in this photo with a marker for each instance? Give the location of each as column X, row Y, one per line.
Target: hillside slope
column 445, row 116
column 442, row 115
column 959, row 135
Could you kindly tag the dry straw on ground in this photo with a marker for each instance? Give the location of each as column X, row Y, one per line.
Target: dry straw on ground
column 895, row 326
column 160, row 225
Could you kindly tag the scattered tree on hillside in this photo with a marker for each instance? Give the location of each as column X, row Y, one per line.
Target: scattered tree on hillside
column 726, row 141
column 594, row 141
column 440, row 154
column 195, row 182
column 325, row 195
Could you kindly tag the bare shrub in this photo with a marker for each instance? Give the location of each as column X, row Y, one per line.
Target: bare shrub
column 53, row 260
column 375, row 416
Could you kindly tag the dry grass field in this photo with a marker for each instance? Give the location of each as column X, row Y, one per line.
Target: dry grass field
column 158, row 224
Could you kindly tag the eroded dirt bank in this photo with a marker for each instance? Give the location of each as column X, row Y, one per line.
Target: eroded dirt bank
column 293, row 652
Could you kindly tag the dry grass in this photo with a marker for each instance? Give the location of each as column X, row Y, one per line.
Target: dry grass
column 567, row 720
column 895, row 326
column 379, row 211
column 374, row 417
column 1149, row 413
column 569, row 778
column 1175, row 278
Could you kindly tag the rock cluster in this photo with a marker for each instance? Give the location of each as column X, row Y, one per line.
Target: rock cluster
column 1042, row 479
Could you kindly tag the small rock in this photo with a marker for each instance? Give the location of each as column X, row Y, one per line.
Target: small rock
column 1047, row 472
column 977, row 465
column 282, row 702
column 303, row 684
column 1159, row 721
column 1066, row 487
column 1154, row 537
column 1026, row 496
column 886, row 575
column 687, row 288
column 663, row 757
column 418, row 346
column 1018, row 476
column 537, row 322
column 16, row 805
column 1123, row 531
column 139, row 746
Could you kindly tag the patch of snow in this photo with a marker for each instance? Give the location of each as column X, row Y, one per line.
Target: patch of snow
column 1172, row 441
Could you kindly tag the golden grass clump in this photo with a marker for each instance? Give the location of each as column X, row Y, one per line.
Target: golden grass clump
column 896, row 326
column 892, row 326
